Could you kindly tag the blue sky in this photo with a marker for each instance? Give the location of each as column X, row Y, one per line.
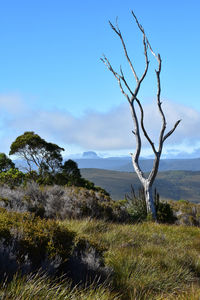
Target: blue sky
column 53, row 82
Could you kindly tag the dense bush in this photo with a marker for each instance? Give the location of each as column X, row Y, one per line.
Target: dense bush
column 12, row 177
column 61, row 202
column 29, row 243
column 70, row 176
column 5, row 163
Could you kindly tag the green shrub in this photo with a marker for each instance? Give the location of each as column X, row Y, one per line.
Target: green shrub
column 183, row 201
column 136, row 206
column 29, row 243
column 35, row 237
column 5, row 163
column 164, row 211
column 12, row 177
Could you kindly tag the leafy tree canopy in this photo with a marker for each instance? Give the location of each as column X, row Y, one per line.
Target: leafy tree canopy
column 5, row 163
column 45, row 156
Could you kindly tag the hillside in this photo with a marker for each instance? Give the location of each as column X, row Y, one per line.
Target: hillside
column 173, row 185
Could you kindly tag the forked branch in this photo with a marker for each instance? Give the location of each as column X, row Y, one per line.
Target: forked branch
column 171, row 131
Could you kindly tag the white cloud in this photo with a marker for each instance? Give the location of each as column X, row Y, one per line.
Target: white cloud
column 93, row 130
column 12, row 104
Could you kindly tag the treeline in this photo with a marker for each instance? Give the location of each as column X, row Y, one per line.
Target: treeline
column 42, row 163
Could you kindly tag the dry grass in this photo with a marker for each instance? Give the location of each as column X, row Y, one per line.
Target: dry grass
column 148, row 260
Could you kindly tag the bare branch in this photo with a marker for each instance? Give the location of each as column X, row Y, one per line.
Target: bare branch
column 118, row 32
column 171, row 131
column 160, row 104
column 135, row 157
column 137, row 22
column 117, row 76
column 146, row 58
column 125, row 82
column 143, row 128
column 145, row 44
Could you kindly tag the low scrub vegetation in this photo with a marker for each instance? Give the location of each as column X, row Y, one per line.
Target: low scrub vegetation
column 29, row 243
column 58, row 202
column 62, row 237
column 186, row 213
column 128, row 262
column 101, row 247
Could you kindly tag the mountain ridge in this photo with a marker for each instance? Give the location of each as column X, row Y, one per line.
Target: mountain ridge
column 124, row 164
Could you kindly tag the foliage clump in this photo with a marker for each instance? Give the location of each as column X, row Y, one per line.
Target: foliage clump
column 5, row 163
column 61, row 202
column 136, row 205
column 12, row 177
column 29, row 243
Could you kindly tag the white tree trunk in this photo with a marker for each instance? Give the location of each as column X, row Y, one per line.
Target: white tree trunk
column 147, row 185
column 151, row 210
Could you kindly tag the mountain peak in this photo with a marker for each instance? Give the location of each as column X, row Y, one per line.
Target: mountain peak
column 90, row 154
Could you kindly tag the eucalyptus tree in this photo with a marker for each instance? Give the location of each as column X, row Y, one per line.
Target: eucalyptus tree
column 39, row 154
column 138, row 118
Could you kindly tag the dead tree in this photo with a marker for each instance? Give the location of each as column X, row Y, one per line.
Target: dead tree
column 132, row 97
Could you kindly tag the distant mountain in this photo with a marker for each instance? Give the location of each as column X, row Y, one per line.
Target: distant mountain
column 165, row 165
column 124, row 164
column 174, row 185
column 90, row 155
column 111, row 163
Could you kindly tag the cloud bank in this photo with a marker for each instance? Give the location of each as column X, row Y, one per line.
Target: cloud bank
column 94, row 130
